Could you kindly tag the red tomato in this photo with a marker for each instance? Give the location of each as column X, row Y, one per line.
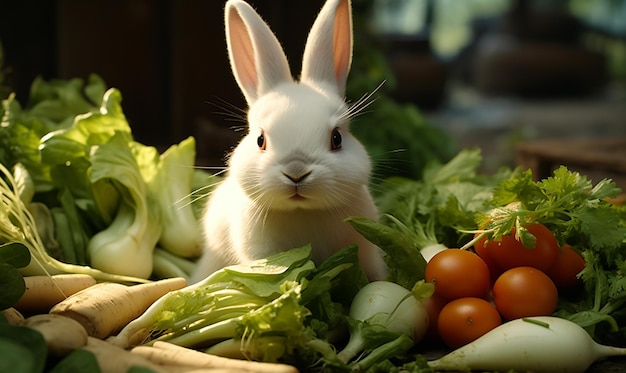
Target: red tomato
column 463, row 320
column 568, row 264
column 458, row 273
column 510, row 253
column 483, row 251
column 523, row 292
column 434, row 304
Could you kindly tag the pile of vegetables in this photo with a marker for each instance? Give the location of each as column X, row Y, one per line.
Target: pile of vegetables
column 99, row 202
column 98, row 234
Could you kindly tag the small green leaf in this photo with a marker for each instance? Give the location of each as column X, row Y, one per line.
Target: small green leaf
column 12, row 286
column 15, row 254
column 28, row 343
column 16, row 358
column 528, row 239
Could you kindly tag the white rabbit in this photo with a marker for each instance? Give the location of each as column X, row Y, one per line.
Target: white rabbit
column 298, row 173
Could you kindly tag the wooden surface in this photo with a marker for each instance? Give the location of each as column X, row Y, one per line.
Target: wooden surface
column 597, row 159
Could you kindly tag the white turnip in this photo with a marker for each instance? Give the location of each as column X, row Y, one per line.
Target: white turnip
column 389, row 307
column 538, row 344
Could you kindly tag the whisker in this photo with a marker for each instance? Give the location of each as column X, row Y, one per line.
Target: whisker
column 361, row 104
column 221, row 168
column 230, row 111
column 198, row 194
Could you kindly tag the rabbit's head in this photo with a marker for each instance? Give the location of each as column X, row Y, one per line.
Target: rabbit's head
column 298, row 152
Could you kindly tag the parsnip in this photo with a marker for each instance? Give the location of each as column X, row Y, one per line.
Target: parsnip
column 43, row 292
column 13, row 316
column 62, row 334
column 113, row 359
column 105, row 308
column 538, row 344
column 168, row 354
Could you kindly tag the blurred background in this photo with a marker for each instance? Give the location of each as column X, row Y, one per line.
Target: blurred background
column 533, row 83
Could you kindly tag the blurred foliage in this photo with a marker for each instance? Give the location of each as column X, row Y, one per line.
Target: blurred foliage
column 398, row 136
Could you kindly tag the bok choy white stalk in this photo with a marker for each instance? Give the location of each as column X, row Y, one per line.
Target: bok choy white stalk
column 181, row 233
column 18, row 225
column 126, row 246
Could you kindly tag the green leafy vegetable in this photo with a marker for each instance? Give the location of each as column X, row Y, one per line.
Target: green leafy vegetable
column 577, row 213
column 22, row 349
column 13, row 255
column 174, row 181
column 445, row 199
column 282, row 308
column 17, row 225
column 126, row 246
column 406, row 266
column 250, row 303
column 102, row 199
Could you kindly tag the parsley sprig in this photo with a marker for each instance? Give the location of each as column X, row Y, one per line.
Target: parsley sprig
column 578, row 213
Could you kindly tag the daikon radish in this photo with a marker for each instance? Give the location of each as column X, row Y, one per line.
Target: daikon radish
column 43, row 292
column 105, row 308
column 541, row 344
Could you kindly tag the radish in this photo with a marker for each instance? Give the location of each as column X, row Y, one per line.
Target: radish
column 537, row 344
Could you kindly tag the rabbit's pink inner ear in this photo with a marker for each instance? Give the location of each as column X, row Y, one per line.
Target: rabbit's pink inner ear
column 328, row 51
column 241, row 53
column 342, row 43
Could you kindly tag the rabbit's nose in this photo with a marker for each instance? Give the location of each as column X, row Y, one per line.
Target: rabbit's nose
column 296, row 178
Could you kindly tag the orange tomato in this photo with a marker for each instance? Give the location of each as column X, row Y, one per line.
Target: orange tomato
column 568, row 265
column 458, row 273
column 434, row 304
column 510, row 253
column 523, row 292
column 463, row 320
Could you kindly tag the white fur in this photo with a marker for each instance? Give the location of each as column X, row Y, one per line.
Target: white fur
column 257, row 210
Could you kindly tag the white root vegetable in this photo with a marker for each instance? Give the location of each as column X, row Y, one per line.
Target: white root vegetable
column 105, row 308
column 62, row 334
column 13, row 316
column 431, row 250
column 113, row 359
column 168, row 354
column 538, row 344
column 389, row 306
column 43, row 292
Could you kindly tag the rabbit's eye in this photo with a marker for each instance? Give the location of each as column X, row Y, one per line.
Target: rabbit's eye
column 335, row 139
column 260, row 141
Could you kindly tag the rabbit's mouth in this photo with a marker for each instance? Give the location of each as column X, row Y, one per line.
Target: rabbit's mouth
column 296, row 194
column 297, row 197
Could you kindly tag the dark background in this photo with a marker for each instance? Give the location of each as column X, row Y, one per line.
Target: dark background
column 168, row 58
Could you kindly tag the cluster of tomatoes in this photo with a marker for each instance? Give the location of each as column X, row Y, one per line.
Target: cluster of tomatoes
column 475, row 291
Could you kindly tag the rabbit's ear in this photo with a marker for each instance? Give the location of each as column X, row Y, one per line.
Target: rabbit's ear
column 256, row 57
column 328, row 51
